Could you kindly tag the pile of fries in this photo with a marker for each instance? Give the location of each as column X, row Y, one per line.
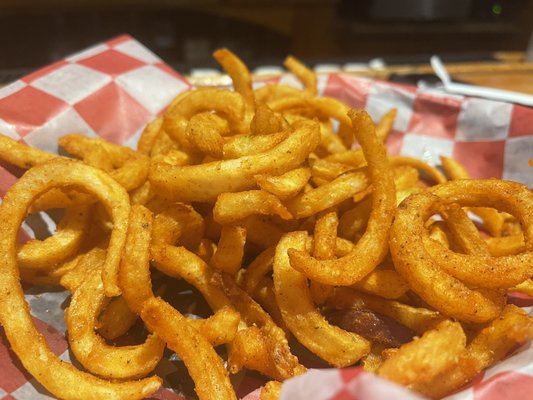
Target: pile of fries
column 284, row 212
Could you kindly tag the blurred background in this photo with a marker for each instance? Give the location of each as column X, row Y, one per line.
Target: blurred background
column 327, row 34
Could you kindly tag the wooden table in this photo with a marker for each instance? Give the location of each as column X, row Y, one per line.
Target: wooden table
column 518, row 81
column 509, row 72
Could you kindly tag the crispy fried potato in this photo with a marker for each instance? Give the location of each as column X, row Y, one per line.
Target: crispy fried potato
column 489, row 345
column 91, row 350
column 372, row 247
column 257, row 270
column 338, row 347
column 384, row 126
column 205, row 182
column 429, row 273
column 328, row 170
column 423, row 359
column 307, row 76
column 431, row 171
column 116, row 319
column 20, row 155
column 73, row 272
column 279, row 362
column 247, row 145
column 171, row 224
column 61, row 379
column 230, row 250
column 204, row 132
column 45, row 254
column 219, row 292
column 221, row 327
column 492, row 219
column 385, row 283
column 233, row 207
column 223, row 102
column 191, row 347
column 134, row 273
column 286, row 185
column 149, row 136
column 266, row 121
column 126, row 166
column 240, row 75
column 327, row 195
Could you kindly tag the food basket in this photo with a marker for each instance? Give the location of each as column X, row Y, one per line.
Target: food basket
column 113, row 89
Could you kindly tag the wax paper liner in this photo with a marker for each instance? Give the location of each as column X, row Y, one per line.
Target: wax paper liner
column 113, row 89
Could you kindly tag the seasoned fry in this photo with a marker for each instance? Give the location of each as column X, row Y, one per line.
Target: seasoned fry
column 492, row 219
column 126, row 166
column 227, row 103
column 286, row 185
column 246, row 145
column 219, row 292
column 431, row 171
column 328, row 170
column 233, row 207
column 506, row 245
column 91, row 350
column 489, row 345
column 435, row 272
column 220, row 328
column 384, row 125
column 270, row 391
column 134, row 273
column 60, row 378
column 266, row 121
column 278, row 360
column 385, row 283
column 205, row 131
column 423, row 359
column 191, row 347
column 303, row 73
column 57, row 248
column 372, row 247
column 325, row 236
column 257, row 269
column 22, row 156
column 240, row 75
column 74, row 272
column 355, row 158
column 336, row 346
column 270, row 92
column 261, row 231
column 230, row 250
column 328, row 195
column 171, row 224
column 116, row 319
column 205, row 182
column 149, row 136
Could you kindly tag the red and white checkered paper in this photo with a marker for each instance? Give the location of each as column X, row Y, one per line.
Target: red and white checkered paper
column 113, row 89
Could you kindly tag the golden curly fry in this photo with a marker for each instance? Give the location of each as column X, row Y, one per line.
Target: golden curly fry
column 338, row 347
column 62, row 379
column 432, row 273
column 191, row 347
column 373, row 245
column 205, row 182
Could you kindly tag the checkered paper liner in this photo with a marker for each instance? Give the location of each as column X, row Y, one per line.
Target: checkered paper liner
column 113, row 89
